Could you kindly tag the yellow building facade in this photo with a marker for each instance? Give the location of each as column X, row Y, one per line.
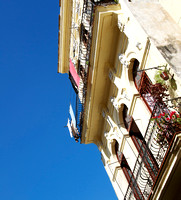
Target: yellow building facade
column 123, row 60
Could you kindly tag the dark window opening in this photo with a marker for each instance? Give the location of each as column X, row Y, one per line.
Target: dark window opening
column 140, row 144
column 128, row 173
column 85, row 36
column 136, row 74
column 126, row 118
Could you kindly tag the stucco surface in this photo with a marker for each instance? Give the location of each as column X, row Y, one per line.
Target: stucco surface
column 163, row 31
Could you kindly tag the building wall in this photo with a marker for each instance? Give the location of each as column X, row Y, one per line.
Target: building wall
column 122, row 80
column 173, row 8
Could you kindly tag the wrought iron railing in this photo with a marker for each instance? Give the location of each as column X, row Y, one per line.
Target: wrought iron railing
column 84, row 54
column 83, row 62
column 159, row 148
column 151, row 93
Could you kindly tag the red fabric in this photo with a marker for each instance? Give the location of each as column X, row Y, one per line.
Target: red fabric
column 74, row 73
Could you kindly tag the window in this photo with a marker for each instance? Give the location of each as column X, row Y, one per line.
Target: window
column 140, row 144
column 128, row 174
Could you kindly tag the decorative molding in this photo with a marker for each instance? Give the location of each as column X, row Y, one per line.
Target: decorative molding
column 139, row 46
column 124, row 94
column 107, row 117
column 145, row 54
column 109, row 136
column 123, row 60
column 106, row 134
column 121, row 26
column 117, row 168
column 115, row 103
column 133, row 103
column 122, row 21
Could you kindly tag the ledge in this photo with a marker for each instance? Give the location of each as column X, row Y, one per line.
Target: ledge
column 104, row 30
column 64, row 35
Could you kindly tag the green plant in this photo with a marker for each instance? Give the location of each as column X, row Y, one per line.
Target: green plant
column 158, row 79
column 173, row 83
column 166, row 122
column 163, row 76
column 165, row 118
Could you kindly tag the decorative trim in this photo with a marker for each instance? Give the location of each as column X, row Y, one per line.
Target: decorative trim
column 133, row 103
column 123, row 60
column 122, row 21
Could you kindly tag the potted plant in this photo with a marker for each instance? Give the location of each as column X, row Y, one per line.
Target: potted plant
column 162, row 77
column 165, row 74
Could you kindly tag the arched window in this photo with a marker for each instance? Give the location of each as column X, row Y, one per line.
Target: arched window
column 126, row 118
column 140, row 144
column 136, row 74
column 128, row 173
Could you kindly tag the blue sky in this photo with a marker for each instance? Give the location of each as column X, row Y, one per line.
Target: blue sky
column 38, row 158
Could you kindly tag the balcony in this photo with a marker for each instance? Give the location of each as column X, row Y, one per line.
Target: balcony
column 84, row 54
column 150, row 93
column 159, row 138
column 83, row 60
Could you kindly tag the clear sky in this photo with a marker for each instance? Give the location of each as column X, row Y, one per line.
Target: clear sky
column 38, row 159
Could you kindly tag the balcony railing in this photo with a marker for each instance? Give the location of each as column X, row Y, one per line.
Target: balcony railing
column 159, row 148
column 151, row 93
column 83, row 61
column 84, row 54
